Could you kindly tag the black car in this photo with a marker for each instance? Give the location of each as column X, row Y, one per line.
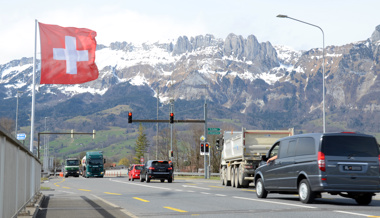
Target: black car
column 156, row 169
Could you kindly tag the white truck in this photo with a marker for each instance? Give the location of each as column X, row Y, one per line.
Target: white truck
column 242, row 152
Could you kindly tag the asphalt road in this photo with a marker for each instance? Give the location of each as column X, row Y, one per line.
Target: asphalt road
column 118, row 197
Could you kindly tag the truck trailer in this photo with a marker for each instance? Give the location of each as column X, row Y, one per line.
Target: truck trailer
column 242, row 151
column 93, row 164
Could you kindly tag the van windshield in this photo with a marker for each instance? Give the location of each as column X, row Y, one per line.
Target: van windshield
column 350, row 146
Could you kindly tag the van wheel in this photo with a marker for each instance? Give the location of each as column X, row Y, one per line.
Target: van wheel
column 261, row 192
column 364, row 199
column 141, row 178
column 304, row 191
column 147, row 178
column 226, row 182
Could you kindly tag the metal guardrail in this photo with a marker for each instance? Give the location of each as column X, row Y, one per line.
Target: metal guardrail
column 20, row 175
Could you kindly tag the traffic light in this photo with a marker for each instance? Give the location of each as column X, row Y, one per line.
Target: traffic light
column 171, row 153
column 202, row 147
column 207, row 146
column 130, row 117
column 171, row 117
column 217, row 144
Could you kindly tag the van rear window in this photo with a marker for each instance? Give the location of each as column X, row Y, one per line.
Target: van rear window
column 350, row 146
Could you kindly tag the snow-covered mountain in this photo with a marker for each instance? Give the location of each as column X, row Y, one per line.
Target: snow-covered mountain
column 265, row 86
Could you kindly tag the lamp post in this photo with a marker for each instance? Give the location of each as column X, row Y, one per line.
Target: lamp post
column 18, row 92
column 323, row 67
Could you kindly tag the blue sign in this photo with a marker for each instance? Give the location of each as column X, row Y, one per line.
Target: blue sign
column 21, row 136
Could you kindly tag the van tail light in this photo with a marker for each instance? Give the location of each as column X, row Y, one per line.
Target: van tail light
column 379, row 162
column 321, row 161
column 151, row 168
column 170, row 168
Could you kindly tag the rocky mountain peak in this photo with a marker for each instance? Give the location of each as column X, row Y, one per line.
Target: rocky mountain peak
column 376, row 34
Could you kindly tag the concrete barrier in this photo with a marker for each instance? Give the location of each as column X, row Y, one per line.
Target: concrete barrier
column 20, row 176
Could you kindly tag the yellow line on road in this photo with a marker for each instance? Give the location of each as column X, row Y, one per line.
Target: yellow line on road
column 66, row 187
column 248, row 190
column 215, row 186
column 140, row 199
column 57, row 185
column 85, row 190
column 111, row 193
column 175, row 209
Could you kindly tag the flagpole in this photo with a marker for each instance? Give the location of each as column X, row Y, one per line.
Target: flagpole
column 33, row 88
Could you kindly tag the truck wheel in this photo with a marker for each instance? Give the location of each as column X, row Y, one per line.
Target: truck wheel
column 222, row 175
column 237, row 172
column 233, row 177
column 261, row 192
column 304, row 191
column 226, row 182
column 243, row 183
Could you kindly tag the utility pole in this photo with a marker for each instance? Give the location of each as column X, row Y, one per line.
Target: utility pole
column 158, row 99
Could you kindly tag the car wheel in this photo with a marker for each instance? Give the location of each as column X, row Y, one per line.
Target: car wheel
column 364, row 199
column 141, row 178
column 304, row 191
column 233, row 176
column 261, row 192
column 147, row 178
column 226, row 182
column 129, row 178
column 170, row 180
column 162, row 180
column 133, row 179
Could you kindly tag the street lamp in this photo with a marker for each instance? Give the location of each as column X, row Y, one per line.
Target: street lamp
column 18, row 92
column 323, row 66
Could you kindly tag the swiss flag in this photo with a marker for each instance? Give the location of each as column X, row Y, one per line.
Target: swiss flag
column 67, row 55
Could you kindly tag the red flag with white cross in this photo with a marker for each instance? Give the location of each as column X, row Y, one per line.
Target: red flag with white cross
column 67, row 55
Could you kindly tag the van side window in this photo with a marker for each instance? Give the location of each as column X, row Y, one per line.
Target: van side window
column 305, row 146
column 274, row 150
column 292, row 148
column 283, row 150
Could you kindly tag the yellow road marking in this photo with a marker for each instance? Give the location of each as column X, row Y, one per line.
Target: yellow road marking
column 248, row 190
column 66, row 187
column 215, row 186
column 57, row 185
column 175, row 209
column 84, row 190
column 111, row 193
column 140, row 199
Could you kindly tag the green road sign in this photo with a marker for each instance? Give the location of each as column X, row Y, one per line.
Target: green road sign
column 213, row 129
column 213, row 133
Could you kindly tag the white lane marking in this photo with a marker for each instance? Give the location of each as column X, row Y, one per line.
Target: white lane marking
column 190, row 191
column 274, row 202
column 358, row 214
column 192, row 186
column 178, row 190
column 116, row 206
column 220, row 195
column 132, row 183
column 67, row 192
column 205, row 193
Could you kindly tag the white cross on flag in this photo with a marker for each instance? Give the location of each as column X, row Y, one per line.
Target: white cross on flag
column 67, row 55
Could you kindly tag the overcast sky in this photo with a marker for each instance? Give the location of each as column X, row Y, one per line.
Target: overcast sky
column 343, row 21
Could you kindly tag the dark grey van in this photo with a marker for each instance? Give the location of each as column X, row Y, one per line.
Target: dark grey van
column 309, row 164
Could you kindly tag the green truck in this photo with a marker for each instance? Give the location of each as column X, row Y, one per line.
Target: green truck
column 72, row 167
column 93, row 164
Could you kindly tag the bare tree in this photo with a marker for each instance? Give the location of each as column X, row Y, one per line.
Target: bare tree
column 7, row 124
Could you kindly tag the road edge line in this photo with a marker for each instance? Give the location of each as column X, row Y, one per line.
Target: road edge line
column 114, row 205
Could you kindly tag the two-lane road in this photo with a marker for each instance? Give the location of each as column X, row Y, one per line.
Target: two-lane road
column 118, row 197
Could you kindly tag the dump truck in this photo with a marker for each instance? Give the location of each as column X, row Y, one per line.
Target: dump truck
column 72, row 167
column 242, row 151
column 93, row 164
